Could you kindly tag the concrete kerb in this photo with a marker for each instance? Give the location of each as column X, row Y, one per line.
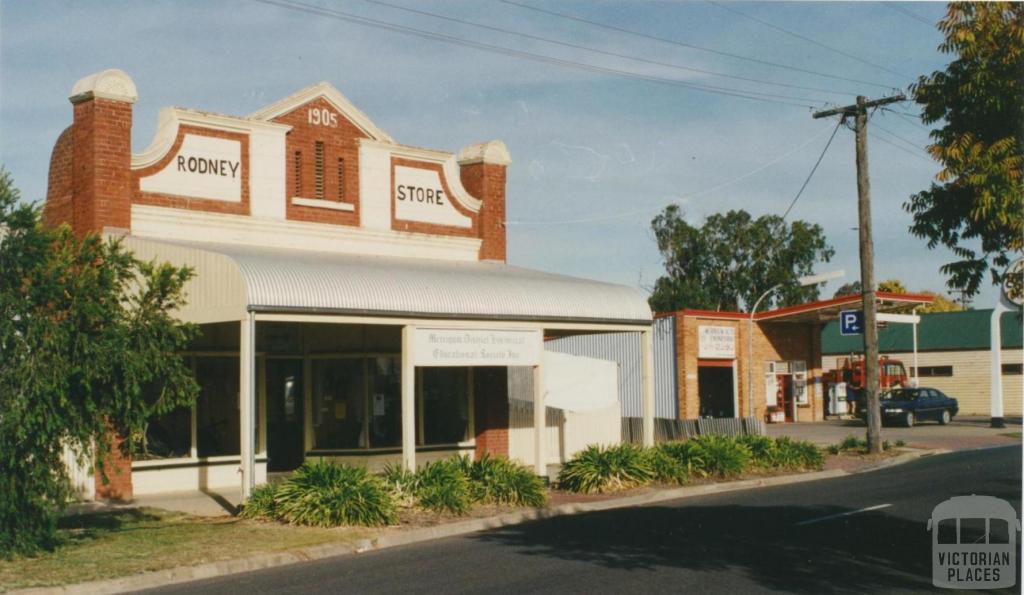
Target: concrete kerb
column 184, row 574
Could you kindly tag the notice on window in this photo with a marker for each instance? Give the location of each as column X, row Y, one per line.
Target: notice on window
column 461, row 347
column 716, row 342
column 379, row 409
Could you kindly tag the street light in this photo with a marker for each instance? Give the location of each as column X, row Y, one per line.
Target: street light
column 802, row 282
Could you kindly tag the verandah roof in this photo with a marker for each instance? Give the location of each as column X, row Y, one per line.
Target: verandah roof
column 233, row 279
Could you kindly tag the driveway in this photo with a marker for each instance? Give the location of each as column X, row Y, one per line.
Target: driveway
column 961, row 434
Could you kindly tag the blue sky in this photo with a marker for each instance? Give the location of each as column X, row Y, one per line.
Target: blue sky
column 595, row 156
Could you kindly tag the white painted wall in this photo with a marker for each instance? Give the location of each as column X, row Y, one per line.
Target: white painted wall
column 191, row 477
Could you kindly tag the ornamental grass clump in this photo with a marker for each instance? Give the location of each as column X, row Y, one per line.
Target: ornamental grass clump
column 797, row 454
column 261, row 504
column 501, row 481
column 442, row 486
column 606, row 469
column 323, row 494
column 716, row 456
column 667, row 467
column 764, row 451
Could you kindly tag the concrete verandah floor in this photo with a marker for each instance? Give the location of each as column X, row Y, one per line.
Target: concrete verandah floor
column 962, row 433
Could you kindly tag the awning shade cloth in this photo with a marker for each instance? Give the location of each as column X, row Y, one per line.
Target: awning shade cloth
column 576, row 383
column 277, row 280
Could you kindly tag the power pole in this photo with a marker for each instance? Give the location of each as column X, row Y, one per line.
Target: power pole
column 859, row 111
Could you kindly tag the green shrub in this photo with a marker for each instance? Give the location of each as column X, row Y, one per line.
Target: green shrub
column 261, row 504
column 323, row 494
column 721, row 456
column 901, row 443
column 797, row 454
column 401, row 482
column 499, row 480
column 667, row 468
column 852, row 443
column 886, row 445
column 442, row 486
column 764, row 451
column 605, row 469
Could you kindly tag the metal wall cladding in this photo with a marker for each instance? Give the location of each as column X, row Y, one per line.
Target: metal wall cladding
column 624, row 349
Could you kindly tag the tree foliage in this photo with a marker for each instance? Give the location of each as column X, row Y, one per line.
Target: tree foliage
column 733, row 258
column 87, row 348
column 976, row 204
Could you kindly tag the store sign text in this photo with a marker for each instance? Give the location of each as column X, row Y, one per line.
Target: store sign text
column 716, row 342
column 204, row 167
column 420, row 197
column 460, row 347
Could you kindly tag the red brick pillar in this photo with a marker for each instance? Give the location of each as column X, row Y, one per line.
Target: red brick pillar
column 101, row 134
column 482, row 171
column 491, row 408
column 95, row 197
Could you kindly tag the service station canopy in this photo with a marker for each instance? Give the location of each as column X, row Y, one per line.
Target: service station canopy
column 828, row 310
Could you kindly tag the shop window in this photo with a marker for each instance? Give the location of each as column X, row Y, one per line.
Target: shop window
column 168, row 436
column 385, row 389
column 217, row 416
column 318, row 168
column 339, row 389
column 445, row 410
column 934, row 371
column 1013, row 369
column 297, row 173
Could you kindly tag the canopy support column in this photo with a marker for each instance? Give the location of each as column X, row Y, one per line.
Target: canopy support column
column 540, row 420
column 408, row 399
column 247, row 404
column 647, row 371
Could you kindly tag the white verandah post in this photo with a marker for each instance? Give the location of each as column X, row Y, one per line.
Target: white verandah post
column 647, row 371
column 408, row 399
column 247, row 404
column 540, row 419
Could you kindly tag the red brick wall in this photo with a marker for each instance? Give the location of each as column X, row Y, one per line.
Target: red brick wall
column 486, row 181
column 102, row 153
column 59, row 197
column 341, row 141
column 491, row 408
column 118, row 469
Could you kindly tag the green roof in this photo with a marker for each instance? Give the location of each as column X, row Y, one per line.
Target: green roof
column 940, row 331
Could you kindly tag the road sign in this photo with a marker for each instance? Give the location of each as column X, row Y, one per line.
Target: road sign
column 851, row 322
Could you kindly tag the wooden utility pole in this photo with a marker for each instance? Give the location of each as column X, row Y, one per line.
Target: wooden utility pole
column 859, row 111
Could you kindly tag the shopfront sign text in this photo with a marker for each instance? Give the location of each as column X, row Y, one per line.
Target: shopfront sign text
column 203, row 167
column 716, row 342
column 461, row 347
column 420, row 197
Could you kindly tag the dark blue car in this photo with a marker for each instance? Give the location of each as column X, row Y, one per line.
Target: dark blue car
column 907, row 406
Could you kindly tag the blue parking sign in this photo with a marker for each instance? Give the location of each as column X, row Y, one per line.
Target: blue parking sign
column 851, row 322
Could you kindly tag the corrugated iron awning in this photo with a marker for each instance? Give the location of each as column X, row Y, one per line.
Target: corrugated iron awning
column 275, row 280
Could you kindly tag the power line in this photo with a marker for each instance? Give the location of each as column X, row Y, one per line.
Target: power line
column 905, row 140
column 623, row 214
column 907, row 118
column 909, row 14
column 807, row 39
column 813, row 169
column 352, row 18
column 688, row 45
column 900, row 147
column 598, row 50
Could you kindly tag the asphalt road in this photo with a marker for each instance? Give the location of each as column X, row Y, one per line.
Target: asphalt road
column 740, row 542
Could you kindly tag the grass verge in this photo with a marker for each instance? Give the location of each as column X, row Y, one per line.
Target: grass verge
column 132, row 541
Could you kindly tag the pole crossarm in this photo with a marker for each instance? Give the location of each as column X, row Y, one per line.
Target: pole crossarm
column 850, row 110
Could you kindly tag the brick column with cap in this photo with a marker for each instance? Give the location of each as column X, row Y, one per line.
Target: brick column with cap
column 482, row 171
column 90, row 189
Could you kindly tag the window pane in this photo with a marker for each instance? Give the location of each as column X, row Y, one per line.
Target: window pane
column 998, row 531
column 168, row 436
column 947, row 531
column 445, row 405
column 385, row 401
column 217, row 416
column 339, row 391
column 972, row 531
